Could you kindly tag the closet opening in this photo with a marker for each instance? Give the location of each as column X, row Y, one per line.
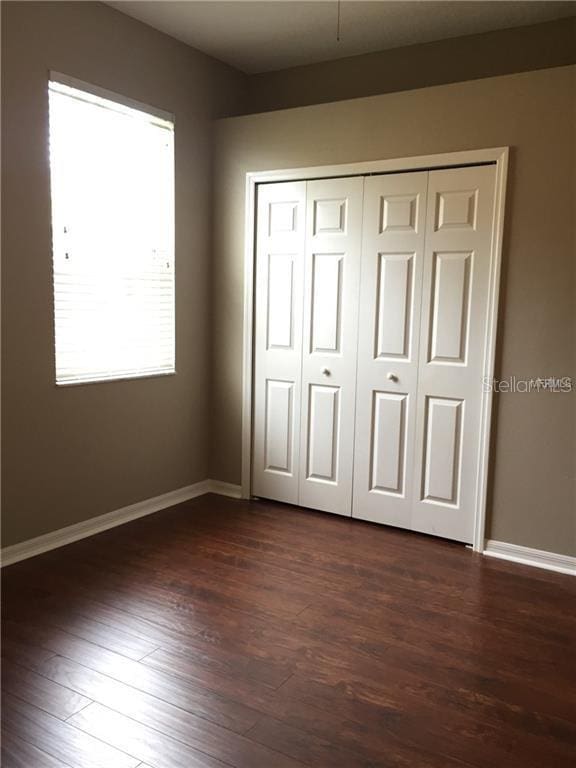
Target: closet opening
column 371, row 296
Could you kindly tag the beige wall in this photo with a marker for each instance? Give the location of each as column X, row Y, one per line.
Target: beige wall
column 532, row 499
column 72, row 453
column 501, row 52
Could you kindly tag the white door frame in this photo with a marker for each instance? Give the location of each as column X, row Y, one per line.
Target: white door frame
column 497, row 155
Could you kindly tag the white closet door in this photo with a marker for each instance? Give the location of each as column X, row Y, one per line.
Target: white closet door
column 281, row 214
column 331, row 285
column 390, row 300
column 453, row 338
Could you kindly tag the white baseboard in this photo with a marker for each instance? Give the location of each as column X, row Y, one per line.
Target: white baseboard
column 63, row 536
column 32, row 547
column 538, row 558
column 225, row 489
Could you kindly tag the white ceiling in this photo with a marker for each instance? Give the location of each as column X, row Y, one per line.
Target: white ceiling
column 274, row 34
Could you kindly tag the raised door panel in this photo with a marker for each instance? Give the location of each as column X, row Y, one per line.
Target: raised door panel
column 451, row 276
column 456, row 209
column 388, row 441
column 394, row 305
column 281, row 213
column 323, row 429
column 327, row 274
column 442, row 429
column 388, row 344
column 280, row 301
column 399, row 213
column 279, row 427
column 283, row 216
column 331, row 283
column 330, row 217
column 453, row 337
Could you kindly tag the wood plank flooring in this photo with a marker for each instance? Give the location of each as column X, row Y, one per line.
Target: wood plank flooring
column 257, row 635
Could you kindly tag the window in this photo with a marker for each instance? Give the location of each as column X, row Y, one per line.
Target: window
column 112, row 183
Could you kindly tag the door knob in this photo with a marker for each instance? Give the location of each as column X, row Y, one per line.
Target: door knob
column 326, row 371
column 391, row 376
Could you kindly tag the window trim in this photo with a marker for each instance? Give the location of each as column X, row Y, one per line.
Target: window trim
column 114, row 379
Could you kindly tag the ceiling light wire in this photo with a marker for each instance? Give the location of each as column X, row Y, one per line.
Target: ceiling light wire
column 338, row 23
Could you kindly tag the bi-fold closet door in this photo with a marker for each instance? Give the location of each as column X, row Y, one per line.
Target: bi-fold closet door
column 371, row 308
column 423, row 312
column 306, row 328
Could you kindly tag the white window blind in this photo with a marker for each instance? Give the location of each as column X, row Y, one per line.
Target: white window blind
column 112, row 183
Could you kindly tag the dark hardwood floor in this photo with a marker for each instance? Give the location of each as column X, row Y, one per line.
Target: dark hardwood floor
column 256, row 635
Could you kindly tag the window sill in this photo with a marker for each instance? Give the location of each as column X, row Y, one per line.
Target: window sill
column 111, row 379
